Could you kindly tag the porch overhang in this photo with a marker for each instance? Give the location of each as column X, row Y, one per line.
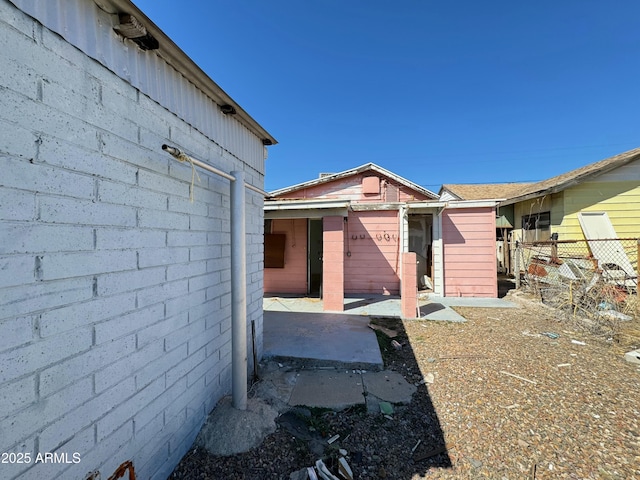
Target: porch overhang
column 305, row 208
column 474, row 203
column 425, row 207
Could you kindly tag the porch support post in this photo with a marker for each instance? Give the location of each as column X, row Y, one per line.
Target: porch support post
column 238, row 294
column 333, row 263
column 409, row 285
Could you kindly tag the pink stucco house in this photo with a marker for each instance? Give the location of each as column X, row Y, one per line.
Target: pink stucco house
column 345, row 233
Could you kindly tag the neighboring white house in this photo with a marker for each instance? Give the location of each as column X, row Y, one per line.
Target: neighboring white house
column 115, row 300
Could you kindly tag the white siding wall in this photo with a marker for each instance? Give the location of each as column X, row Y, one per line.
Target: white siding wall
column 115, row 337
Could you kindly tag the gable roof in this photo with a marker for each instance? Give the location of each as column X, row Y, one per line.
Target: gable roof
column 483, row 191
column 565, row 180
column 326, row 178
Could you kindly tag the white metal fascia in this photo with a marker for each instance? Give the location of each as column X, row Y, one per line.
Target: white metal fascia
column 473, row 203
column 303, row 205
column 424, row 205
column 373, row 206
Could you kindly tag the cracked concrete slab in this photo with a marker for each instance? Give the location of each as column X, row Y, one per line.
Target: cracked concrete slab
column 388, row 386
column 327, row 389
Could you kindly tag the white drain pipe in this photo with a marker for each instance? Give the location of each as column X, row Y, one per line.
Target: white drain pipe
column 238, row 274
column 238, row 293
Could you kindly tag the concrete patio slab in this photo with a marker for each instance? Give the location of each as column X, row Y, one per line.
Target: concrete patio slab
column 322, row 338
column 327, row 389
column 473, row 302
column 438, row 312
column 431, row 307
column 298, row 328
column 388, row 386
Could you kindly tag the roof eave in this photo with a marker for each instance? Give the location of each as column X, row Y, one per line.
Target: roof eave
column 570, row 182
column 177, row 58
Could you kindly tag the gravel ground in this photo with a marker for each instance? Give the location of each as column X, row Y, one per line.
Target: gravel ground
column 506, row 402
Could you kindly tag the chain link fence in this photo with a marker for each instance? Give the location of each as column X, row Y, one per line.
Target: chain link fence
column 592, row 281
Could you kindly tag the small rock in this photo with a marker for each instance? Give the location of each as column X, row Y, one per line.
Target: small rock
column 299, row 474
column 429, row 378
column 386, row 408
column 523, row 444
column 475, row 463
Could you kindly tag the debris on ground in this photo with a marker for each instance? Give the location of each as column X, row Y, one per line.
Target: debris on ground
column 581, row 421
column 344, row 469
column 633, row 356
column 386, row 408
column 387, row 331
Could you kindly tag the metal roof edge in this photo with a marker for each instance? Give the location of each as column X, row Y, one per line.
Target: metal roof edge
column 177, row 58
column 168, row 51
column 473, row 203
column 304, row 204
column 416, row 205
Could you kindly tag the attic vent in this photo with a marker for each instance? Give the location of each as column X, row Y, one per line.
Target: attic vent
column 131, row 28
column 371, row 185
column 322, row 175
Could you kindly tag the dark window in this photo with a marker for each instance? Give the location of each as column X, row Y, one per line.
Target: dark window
column 274, row 244
column 536, row 226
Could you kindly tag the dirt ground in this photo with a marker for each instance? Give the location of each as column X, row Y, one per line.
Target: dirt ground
column 515, row 394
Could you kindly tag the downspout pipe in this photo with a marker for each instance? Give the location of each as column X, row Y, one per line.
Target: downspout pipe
column 238, row 274
column 238, row 293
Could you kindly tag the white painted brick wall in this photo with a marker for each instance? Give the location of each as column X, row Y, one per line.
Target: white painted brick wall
column 115, row 316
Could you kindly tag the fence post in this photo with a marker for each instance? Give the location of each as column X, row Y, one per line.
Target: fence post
column 516, row 269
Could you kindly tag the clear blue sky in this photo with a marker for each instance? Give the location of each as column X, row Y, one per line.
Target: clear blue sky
column 437, row 91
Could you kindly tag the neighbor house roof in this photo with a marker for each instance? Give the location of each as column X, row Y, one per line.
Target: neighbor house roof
column 565, row 180
column 326, row 178
column 483, row 191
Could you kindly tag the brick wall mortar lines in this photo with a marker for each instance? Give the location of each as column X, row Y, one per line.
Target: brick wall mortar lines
column 117, row 309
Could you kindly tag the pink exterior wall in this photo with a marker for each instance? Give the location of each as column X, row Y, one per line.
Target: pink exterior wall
column 293, row 277
column 332, row 263
column 409, row 294
column 469, row 241
column 350, row 188
column 373, row 241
